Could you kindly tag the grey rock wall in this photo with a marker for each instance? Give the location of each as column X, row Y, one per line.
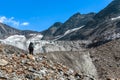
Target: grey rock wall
column 65, row 46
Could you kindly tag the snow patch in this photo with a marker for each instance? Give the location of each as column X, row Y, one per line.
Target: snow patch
column 68, row 32
column 115, row 18
column 72, row 30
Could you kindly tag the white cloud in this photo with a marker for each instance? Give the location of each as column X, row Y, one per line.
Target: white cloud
column 2, row 19
column 25, row 24
column 12, row 22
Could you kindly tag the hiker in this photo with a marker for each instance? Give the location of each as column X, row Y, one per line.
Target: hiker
column 31, row 48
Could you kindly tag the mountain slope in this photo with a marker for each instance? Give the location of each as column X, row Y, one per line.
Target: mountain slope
column 6, row 31
column 107, row 59
column 77, row 20
column 105, row 25
column 48, row 34
column 112, row 10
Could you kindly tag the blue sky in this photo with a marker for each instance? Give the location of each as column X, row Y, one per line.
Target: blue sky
column 38, row 15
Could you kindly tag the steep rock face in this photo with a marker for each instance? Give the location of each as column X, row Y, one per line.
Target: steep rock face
column 77, row 20
column 48, row 34
column 104, row 25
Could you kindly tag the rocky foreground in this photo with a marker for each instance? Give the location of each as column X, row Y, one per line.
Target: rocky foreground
column 98, row 63
column 18, row 65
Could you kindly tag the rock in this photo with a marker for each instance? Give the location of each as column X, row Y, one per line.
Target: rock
column 19, row 72
column 77, row 75
column 3, row 78
column 1, row 74
column 110, row 79
column 3, row 62
column 14, row 57
column 31, row 69
column 72, row 78
column 39, row 59
column 3, row 68
column 45, row 57
column 29, row 76
column 43, row 72
column 9, row 69
column 25, row 67
column 23, row 55
column 70, row 71
column 31, row 57
column 1, row 50
column 37, row 78
column 23, row 61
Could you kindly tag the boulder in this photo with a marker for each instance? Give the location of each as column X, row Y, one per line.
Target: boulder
column 3, row 62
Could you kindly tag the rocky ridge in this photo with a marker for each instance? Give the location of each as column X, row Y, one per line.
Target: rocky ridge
column 104, row 25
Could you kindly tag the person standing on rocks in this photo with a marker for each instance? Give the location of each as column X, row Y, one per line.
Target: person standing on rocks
column 31, row 48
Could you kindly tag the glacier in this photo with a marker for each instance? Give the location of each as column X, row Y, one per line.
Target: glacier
column 44, row 46
column 22, row 42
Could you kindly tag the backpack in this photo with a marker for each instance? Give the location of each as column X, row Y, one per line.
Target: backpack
column 31, row 46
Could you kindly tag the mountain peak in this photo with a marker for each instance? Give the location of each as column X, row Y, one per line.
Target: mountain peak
column 77, row 14
column 57, row 24
column 112, row 10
